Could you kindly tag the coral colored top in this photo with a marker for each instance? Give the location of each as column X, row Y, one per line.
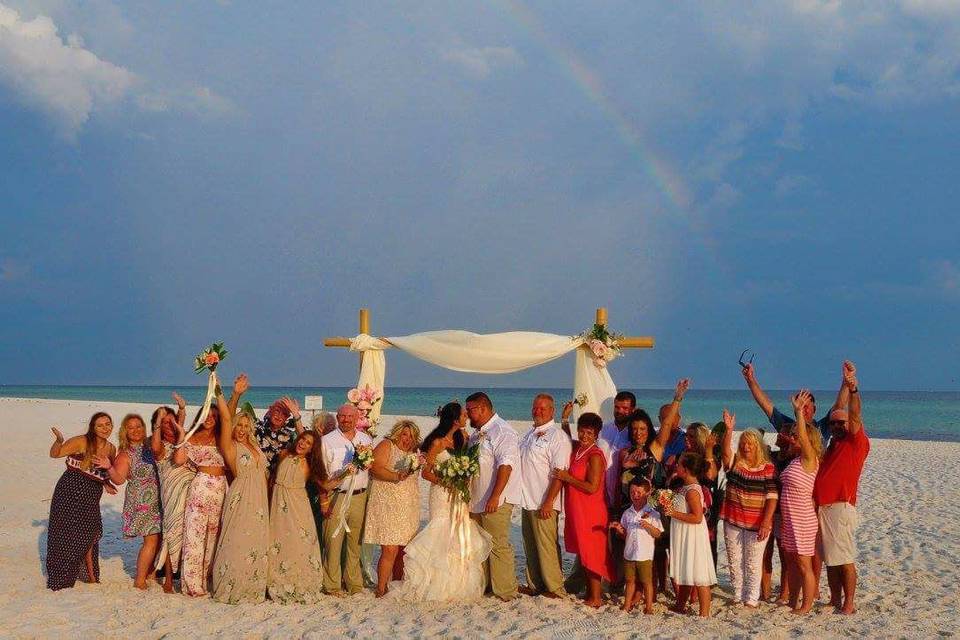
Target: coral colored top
column 747, row 491
column 840, row 470
column 585, row 529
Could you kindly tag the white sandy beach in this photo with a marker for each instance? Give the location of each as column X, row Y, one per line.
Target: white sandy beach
column 908, row 541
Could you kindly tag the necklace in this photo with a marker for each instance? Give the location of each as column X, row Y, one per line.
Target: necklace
column 582, row 452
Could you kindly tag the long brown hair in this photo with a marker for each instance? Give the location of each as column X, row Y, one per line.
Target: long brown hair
column 318, row 468
column 91, row 438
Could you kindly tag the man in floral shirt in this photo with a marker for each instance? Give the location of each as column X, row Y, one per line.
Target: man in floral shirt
column 279, row 426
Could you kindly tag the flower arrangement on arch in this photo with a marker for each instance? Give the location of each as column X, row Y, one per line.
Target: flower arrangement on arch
column 209, row 358
column 602, row 343
column 365, row 400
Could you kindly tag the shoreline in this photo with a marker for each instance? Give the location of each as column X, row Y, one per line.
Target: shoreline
column 424, row 422
column 907, row 581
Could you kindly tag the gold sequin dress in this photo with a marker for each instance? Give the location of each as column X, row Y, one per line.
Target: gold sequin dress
column 393, row 508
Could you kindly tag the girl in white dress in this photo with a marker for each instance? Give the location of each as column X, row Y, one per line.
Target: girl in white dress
column 444, row 562
column 691, row 562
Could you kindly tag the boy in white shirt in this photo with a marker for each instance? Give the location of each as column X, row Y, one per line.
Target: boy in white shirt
column 640, row 525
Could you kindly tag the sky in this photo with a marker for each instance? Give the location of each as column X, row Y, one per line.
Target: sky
column 778, row 175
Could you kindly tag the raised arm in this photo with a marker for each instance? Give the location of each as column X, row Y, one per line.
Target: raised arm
column 73, row 446
column 808, row 457
column 565, row 417
column 180, row 456
column 181, row 408
column 843, row 395
column 240, row 386
column 759, row 396
column 855, row 418
column 294, row 407
column 730, row 421
column 156, row 435
column 227, row 445
column 670, row 420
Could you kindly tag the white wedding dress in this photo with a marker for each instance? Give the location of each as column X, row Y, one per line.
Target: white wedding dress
column 444, row 562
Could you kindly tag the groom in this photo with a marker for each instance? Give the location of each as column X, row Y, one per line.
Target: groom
column 494, row 490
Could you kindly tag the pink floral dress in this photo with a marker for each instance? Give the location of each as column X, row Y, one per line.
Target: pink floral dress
column 201, row 519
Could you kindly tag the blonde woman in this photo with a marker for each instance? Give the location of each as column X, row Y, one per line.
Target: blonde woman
column 798, row 534
column 747, row 512
column 240, row 563
column 393, row 508
column 135, row 465
column 75, row 526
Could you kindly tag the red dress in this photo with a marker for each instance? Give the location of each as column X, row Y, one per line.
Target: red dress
column 585, row 529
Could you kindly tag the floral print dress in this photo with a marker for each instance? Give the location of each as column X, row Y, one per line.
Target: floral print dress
column 240, row 563
column 141, row 503
column 296, row 570
column 201, row 519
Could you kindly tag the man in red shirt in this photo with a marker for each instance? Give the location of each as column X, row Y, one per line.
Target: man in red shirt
column 835, row 493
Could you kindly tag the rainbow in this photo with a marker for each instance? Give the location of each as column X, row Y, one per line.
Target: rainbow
column 667, row 180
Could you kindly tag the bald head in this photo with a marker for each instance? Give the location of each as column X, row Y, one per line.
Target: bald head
column 347, row 416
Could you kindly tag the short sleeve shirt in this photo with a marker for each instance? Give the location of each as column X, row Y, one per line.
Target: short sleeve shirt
column 639, row 544
column 839, row 476
column 273, row 442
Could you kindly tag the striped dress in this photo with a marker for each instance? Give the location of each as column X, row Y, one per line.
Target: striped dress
column 799, row 531
column 747, row 491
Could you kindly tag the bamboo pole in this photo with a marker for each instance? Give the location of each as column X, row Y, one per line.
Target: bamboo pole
column 602, row 316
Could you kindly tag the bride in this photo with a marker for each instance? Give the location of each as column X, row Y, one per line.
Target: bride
column 445, row 560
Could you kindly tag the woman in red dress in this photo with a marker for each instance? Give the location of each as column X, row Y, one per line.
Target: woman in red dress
column 585, row 530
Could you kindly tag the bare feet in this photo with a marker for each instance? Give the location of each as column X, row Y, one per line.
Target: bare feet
column 799, row 611
column 551, row 595
column 141, row 585
column 168, row 587
column 647, row 611
column 848, row 611
column 527, row 591
column 596, row 604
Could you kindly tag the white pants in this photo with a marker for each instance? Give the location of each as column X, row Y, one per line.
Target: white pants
column 745, row 555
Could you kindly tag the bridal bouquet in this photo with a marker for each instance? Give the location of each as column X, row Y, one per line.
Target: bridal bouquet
column 209, row 358
column 364, row 400
column 660, row 499
column 362, row 457
column 580, row 400
column 206, row 360
column 456, row 471
column 602, row 343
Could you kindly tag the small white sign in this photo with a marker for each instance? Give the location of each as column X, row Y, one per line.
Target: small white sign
column 313, row 403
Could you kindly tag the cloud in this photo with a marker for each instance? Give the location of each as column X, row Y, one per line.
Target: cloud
column 946, row 277
column 481, row 62
column 59, row 77
column 200, row 101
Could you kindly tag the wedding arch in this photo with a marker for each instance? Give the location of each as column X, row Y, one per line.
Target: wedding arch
column 497, row 353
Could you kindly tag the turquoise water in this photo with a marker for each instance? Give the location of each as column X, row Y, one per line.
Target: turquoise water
column 915, row 415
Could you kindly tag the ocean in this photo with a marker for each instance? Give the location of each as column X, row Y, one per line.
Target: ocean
column 912, row 415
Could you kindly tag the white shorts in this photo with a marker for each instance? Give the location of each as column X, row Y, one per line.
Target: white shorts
column 838, row 524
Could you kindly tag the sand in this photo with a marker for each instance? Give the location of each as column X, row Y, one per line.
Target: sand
column 908, row 550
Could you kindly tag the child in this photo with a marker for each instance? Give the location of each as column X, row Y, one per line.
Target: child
column 640, row 525
column 691, row 562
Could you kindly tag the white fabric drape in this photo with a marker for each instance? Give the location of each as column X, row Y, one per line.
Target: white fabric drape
column 373, row 367
column 212, row 383
column 492, row 353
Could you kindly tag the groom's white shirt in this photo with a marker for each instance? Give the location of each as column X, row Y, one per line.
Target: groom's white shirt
column 542, row 450
column 499, row 445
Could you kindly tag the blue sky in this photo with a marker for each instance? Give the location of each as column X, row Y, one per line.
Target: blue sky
column 779, row 175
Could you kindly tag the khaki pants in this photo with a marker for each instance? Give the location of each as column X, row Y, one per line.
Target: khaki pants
column 341, row 559
column 500, row 569
column 541, row 545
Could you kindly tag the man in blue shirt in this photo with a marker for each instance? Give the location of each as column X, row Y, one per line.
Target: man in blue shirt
column 782, row 421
